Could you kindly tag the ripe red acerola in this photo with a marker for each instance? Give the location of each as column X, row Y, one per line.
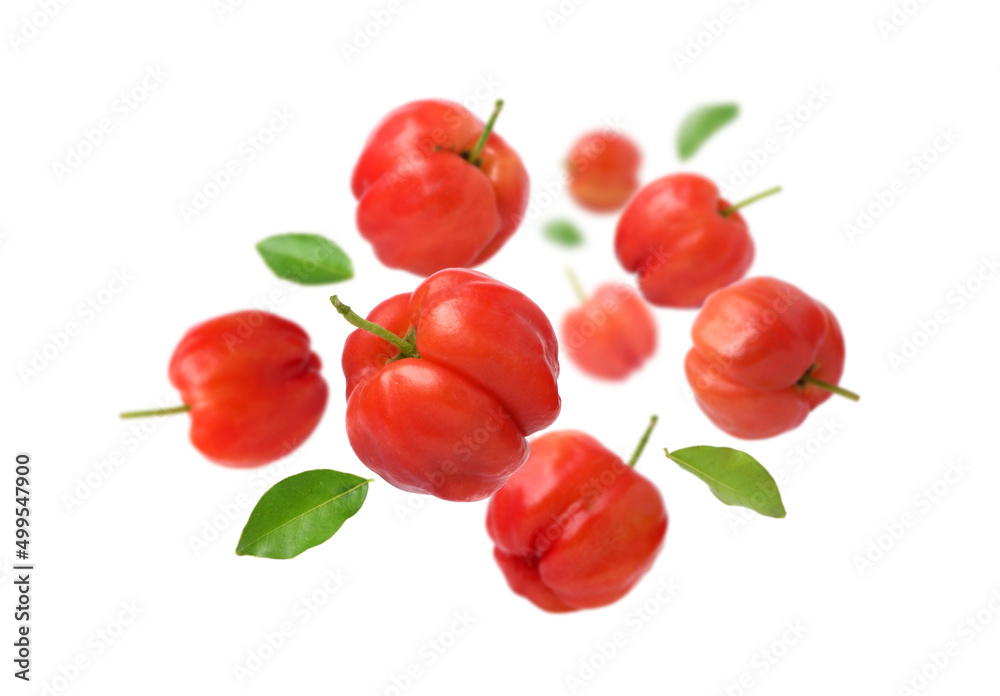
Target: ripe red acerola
column 427, row 199
column 677, row 235
column 611, row 334
column 765, row 354
column 576, row 527
column 604, row 170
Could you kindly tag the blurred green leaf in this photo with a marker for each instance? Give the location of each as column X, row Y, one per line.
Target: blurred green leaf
column 306, row 259
column 701, row 124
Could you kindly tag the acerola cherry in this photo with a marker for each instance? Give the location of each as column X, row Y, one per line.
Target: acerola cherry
column 251, row 384
column 444, row 384
column 604, row 170
column 684, row 240
column 611, row 334
column 437, row 189
column 765, row 354
column 576, row 527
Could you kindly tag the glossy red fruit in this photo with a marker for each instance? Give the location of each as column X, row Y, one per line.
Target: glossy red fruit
column 452, row 423
column 604, row 170
column 253, row 387
column 422, row 205
column 674, row 235
column 612, row 334
column 758, row 347
column 576, row 527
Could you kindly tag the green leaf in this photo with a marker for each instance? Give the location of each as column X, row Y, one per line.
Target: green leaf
column 300, row 512
column 563, row 232
column 306, row 259
column 734, row 477
column 701, row 124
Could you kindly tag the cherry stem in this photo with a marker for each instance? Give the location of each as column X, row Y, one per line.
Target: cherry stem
column 840, row 391
column 634, row 459
column 485, row 135
column 405, row 347
column 156, row 412
column 747, row 201
column 577, row 287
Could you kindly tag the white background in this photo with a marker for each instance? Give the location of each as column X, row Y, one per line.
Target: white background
column 408, row 575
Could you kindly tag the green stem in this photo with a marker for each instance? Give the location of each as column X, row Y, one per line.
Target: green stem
column 840, row 391
column 484, row 136
column 405, row 347
column 157, row 412
column 577, row 288
column 634, row 459
column 747, row 201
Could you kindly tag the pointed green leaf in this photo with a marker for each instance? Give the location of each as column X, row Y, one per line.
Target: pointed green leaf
column 734, row 477
column 306, row 259
column 563, row 232
column 300, row 512
column 701, row 124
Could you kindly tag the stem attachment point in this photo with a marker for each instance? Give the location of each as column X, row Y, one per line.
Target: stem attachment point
column 406, row 348
column 485, row 135
column 833, row 388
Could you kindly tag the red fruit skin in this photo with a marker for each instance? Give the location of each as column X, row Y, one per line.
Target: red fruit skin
column 604, row 171
column 673, row 235
column 452, row 423
column 253, row 385
column 575, row 527
column 753, row 342
column 421, row 205
column 611, row 335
